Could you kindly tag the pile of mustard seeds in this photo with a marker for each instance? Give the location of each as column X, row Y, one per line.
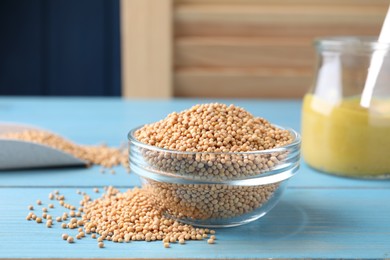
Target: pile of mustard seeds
column 218, row 142
column 213, row 128
column 120, row 217
column 102, row 155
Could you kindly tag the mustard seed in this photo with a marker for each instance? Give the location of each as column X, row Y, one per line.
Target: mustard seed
column 31, row 207
column 96, row 190
column 51, row 196
column 70, row 239
column 38, row 220
column 44, row 215
column 65, row 236
column 44, row 209
column 212, row 237
column 58, row 219
column 51, row 206
column 39, row 202
column 93, row 236
column 100, row 244
column 49, row 217
column 210, row 241
column 166, row 245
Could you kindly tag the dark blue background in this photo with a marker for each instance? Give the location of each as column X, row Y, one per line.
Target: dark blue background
column 61, row 47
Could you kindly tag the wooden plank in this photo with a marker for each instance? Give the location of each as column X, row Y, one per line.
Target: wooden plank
column 108, row 120
column 243, row 52
column 383, row 3
column 282, row 21
column 146, row 27
column 307, row 223
column 242, row 83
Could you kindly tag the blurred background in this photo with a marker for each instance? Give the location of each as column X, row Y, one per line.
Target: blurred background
column 171, row 48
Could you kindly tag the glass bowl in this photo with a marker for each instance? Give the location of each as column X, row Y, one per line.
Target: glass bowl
column 214, row 189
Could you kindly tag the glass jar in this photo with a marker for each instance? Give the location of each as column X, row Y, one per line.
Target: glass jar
column 346, row 120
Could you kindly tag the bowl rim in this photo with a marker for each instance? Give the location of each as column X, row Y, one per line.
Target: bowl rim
column 296, row 141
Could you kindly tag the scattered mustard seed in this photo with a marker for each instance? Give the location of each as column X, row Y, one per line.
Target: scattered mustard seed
column 70, row 239
column 101, row 244
column 38, row 220
column 39, row 202
column 31, row 207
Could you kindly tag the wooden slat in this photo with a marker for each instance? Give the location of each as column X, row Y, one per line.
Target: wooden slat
column 285, row 21
column 146, row 27
column 242, row 83
column 243, row 52
column 383, row 3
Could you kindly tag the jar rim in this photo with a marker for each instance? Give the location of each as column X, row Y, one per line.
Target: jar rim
column 351, row 43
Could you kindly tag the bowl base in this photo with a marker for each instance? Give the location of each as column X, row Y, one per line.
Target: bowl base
column 216, row 223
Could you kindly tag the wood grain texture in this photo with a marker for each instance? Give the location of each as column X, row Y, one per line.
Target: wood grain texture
column 383, row 3
column 243, row 52
column 307, row 223
column 242, row 82
column 281, row 21
column 146, row 27
column 319, row 215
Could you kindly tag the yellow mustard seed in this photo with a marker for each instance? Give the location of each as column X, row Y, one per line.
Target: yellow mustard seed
column 38, row 220
column 31, row 207
column 63, row 225
column 100, row 244
column 51, row 196
column 51, row 206
column 210, row 241
column 166, row 245
column 58, row 219
column 70, row 239
column 39, row 202
column 65, row 236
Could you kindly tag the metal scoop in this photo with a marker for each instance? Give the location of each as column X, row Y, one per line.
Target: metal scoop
column 18, row 154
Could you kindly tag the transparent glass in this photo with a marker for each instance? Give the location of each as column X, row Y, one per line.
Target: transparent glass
column 214, row 189
column 346, row 120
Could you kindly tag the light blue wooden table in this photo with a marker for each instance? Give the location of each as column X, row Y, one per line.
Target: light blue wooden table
column 319, row 216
